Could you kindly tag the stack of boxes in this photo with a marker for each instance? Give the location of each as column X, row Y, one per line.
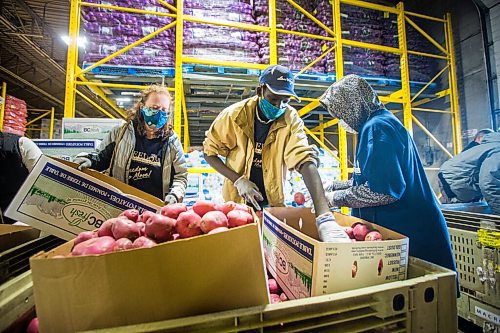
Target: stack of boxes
column 45, row 132
column 15, row 116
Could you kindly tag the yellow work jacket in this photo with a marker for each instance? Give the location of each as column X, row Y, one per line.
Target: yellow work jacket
column 286, row 147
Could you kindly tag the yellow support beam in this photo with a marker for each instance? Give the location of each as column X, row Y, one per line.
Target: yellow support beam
column 37, row 118
column 322, row 130
column 237, row 64
column 186, row 126
column 101, row 94
column 430, row 135
column 405, row 70
column 443, row 93
column 324, row 54
column 51, row 128
column 2, row 106
column 429, row 83
column 452, row 77
column 322, row 145
column 429, row 55
column 126, row 48
column 72, row 60
column 179, row 59
column 370, row 46
column 326, row 125
column 115, row 85
column 125, row 9
column 304, row 34
column 308, row 108
column 426, row 35
column 311, row 17
column 370, row 5
column 273, row 36
column 94, row 104
column 431, row 110
column 427, row 17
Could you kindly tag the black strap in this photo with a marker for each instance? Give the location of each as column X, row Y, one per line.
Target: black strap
column 446, row 186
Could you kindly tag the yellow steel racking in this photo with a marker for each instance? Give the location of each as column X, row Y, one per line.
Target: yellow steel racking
column 76, row 76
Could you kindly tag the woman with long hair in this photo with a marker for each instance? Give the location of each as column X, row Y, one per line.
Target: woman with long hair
column 144, row 152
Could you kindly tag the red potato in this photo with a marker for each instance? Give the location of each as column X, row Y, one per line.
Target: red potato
column 360, row 231
column 98, row 245
column 123, row 244
column 33, row 326
column 160, row 228
column 203, row 207
column 373, row 236
column 173, row 210
column 217, row 230
column 213, row 220
column 299, row 198
column 143, row 242
column 349, row 232
column 86, row 235
column 273, row 286
column 283, row 297
column 105, row 229
column 131, row 214
column 227, row 207
column 145, row 215
column 238, row 218
column 188, row 225
column 124, row 228
column 275, row 299
column 142, row 227
column 242, row 207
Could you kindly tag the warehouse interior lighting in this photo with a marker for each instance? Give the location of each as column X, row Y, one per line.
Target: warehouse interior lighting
column 82, row 41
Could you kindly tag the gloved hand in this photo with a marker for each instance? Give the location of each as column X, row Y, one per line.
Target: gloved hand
column 329, row 230
column 170, row 199
column 249, row 191
column 83, row 161
column 330, row 199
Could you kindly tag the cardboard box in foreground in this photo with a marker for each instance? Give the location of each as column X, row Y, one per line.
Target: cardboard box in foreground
column 304, row 266
column 199, row 275
column 63, row 201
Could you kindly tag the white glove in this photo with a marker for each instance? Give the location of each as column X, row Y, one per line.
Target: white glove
column 329, row 230
column 330, row 199
column 83, row 161
column 249, row 191
column 170, row 199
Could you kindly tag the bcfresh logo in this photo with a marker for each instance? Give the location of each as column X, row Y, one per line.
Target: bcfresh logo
column 82, row 216
column 281, row 261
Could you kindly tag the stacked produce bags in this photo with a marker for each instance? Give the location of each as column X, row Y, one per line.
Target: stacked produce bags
column 15, row 115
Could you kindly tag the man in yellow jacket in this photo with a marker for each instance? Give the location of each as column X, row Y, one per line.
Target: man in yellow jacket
column 261, row 138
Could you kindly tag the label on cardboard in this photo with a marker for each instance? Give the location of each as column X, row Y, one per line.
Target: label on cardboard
column 66, row 149
column 64, row 201
column 289, row 258
column 485, row 314
column 88, row 128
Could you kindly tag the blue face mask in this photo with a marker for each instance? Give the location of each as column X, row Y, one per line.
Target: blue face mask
column 270, row 111
column 154, row 117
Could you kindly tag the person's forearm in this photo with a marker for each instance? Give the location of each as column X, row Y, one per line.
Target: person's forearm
column 315, row 187
column 219, row 166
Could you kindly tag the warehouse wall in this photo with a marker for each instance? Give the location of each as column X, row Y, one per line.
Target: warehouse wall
column 494, row 8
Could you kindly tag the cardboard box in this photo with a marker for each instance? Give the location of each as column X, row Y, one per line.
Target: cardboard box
column 13, row 235
column 199, row 275
column 305, row 266
column 63, row 201
column 88, row 128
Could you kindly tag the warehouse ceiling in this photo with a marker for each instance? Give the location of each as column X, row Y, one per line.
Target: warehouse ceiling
column 33, row 54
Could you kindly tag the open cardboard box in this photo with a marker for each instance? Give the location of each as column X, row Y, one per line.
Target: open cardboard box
column 186, row 277
column 304, row 266
column 61, row 200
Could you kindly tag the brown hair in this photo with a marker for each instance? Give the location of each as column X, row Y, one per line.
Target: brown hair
column 135, row 114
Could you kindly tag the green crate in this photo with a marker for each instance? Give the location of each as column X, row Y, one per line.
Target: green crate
column 426, row 302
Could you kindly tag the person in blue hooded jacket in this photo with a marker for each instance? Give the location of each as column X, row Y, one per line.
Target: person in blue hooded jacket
column 389, row 186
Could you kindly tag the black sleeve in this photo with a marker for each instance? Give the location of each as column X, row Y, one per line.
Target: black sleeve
column 102, row 159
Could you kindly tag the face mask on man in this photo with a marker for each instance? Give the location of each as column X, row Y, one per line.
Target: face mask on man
column 154, row 117
column 270, row 111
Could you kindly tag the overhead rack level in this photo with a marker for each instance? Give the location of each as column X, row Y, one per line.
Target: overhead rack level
column 401, row 96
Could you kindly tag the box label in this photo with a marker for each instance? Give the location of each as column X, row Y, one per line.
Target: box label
column 289, row 258
column 485, row 314
column 66, row 149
